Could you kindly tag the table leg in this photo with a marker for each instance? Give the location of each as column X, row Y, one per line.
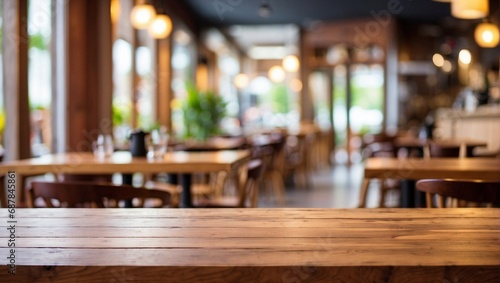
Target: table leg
column 127, row 180
column 186, row 191
column 407, row 193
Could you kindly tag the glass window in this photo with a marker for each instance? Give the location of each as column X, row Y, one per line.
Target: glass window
column 228, row 67
column 319, row 87
column 145, row 88
column 340, row 105
column 39, row 75
column 183, row 66
column 367, row 86
column 122, row 90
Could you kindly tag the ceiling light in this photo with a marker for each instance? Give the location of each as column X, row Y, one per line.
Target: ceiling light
column 464, row 56
column 277, row 74
column 438, row 60
column 114, row 10
column 241, row 81
column 447, row 66
column 142, row 15
column 486, row 35
column 469, row 9
column 265, row 9
column 291, row 63
column 267, row 52
column 160, row 27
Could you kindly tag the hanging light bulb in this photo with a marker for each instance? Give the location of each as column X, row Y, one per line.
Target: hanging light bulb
column 486, row 35
column 160, row 27
column 241, row 81
column 464, row 56
column 469, row 9
column 114, row 10
column 142, row 15
column 277, row 74
column 291, row 63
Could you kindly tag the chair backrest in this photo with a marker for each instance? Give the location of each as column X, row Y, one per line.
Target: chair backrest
column 443, row 150
column 250, row 193
column 81, row 194
column 476, row 192
column 102, row 178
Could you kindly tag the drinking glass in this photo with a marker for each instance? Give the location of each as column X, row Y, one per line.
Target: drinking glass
column 103, row 146
column 157, row 145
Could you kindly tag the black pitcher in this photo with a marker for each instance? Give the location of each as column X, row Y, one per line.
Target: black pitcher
column 138, row 143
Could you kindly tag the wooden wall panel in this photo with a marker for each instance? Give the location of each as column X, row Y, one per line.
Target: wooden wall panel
column 89, row 72
column 15, row 80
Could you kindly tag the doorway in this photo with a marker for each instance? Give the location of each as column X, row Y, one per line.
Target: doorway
column 352, row 95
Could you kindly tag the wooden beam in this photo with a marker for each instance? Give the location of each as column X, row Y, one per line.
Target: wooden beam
column 164, row 77
column 15, row 81
column 89, row 72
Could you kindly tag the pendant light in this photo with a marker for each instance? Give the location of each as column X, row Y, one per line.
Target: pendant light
column 291, row 63
column 469, row 9
column 142, row 15
column 276, row 74
column 160, row 27
column 486, row 35
column 265, row 9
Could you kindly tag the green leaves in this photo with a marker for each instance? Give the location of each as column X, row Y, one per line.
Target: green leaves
column 202, row 113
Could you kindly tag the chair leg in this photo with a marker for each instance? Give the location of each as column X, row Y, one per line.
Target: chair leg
column 383, row 191
column 363, row 193
column 428, row 200
column 278, row 187
column 441, row 201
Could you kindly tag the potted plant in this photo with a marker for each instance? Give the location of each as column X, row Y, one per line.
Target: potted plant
column 202, row 113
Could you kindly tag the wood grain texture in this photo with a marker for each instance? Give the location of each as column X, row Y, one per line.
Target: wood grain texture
column 255, row 245
column 285, row 274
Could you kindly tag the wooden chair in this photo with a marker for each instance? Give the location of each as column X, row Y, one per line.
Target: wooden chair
column 443, row 150
column 381, row 145
column 248, row 196
column 471, row 192
column 86, row 194
column 272, row 155
column 103, row 178
column 297, row 160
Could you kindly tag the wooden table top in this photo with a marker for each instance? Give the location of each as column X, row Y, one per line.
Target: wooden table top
column 416, row 142
column 247, row 245
column 213, row 144
column 415, row 169
column 123, row 162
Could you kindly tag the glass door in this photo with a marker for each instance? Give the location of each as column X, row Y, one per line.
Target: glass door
column 358, row 101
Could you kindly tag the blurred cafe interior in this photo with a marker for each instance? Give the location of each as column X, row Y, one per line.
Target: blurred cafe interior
column 339, row 82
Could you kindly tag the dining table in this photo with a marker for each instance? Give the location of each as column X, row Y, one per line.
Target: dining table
column 487, row 169
column 251, row 245
column 184, row 163
column 466, row 146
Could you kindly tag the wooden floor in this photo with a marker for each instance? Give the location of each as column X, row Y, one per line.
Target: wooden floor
column 337, row 187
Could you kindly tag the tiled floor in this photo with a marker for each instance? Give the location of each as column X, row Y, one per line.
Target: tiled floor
column 337, row 187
